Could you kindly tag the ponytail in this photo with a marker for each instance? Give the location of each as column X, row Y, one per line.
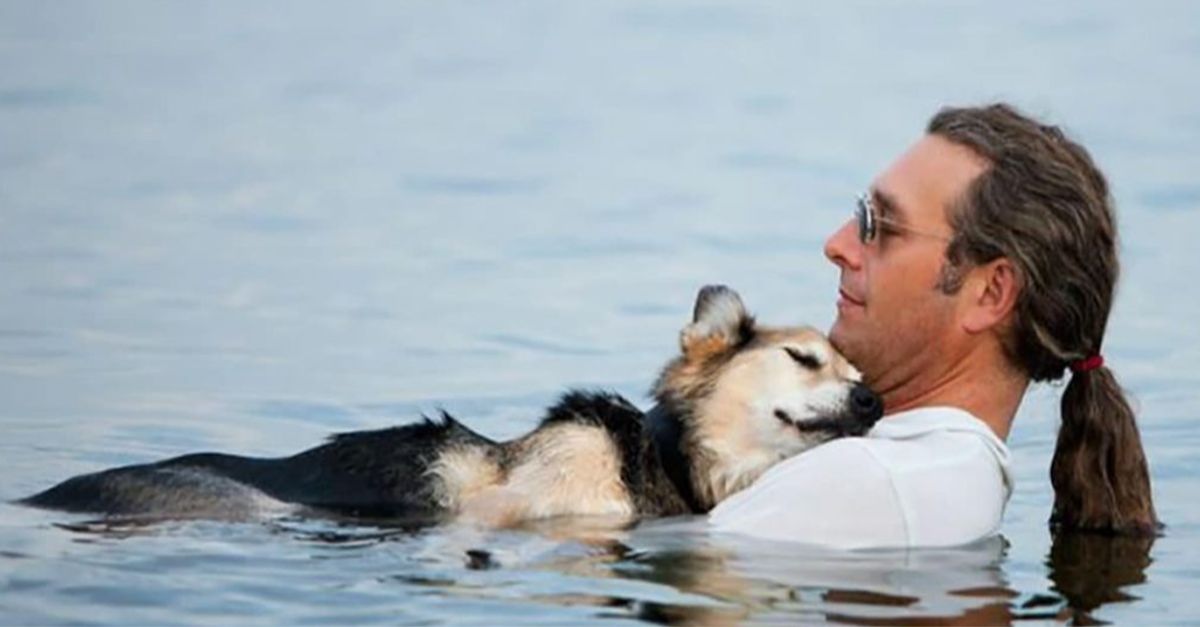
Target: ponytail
column 1099, row 472
column 1043, row 204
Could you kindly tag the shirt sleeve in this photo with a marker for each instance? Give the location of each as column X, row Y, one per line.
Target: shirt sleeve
column 837, row 494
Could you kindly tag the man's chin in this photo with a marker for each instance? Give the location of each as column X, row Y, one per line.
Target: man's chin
column 846, row 343
column 838, row 337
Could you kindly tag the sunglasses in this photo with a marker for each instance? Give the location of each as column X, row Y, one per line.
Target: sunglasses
column 868, row 220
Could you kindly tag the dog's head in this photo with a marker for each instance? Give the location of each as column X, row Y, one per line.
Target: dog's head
column 749, row 396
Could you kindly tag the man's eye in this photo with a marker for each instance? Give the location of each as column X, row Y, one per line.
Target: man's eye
column 804, row 359
column 886, row 228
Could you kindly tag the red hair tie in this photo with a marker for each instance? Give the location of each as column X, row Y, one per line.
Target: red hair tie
column 1091, row 363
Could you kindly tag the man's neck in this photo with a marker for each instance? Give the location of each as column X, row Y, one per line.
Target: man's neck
column 981, row 384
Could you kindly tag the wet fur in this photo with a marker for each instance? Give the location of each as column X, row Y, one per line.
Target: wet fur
column 417, row 472
column 592, row 454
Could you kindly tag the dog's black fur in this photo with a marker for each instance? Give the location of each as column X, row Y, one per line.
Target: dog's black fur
column 372, row 474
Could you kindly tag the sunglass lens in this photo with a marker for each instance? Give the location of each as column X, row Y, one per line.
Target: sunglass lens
column 866, row 225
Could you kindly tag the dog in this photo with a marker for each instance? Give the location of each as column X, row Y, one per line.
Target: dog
column 739, row 398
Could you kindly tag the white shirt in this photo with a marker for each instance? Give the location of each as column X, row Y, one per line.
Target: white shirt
column 933, row 476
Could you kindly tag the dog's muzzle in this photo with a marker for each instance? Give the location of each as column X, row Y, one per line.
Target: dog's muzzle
column 862, row 409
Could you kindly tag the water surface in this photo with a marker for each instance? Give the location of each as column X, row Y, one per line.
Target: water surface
column 244, row 226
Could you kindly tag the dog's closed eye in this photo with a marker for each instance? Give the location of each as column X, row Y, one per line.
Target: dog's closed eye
column 808, row 360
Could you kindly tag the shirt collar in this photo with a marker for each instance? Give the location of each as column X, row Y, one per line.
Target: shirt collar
column 914, row 423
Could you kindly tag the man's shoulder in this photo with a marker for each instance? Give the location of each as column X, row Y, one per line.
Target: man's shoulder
column 886, row 489
column 910, row 443
column 927, row 420
column 847, row 457
column 836, row 494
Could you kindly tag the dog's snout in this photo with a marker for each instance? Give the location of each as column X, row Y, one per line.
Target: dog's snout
column 866, row 405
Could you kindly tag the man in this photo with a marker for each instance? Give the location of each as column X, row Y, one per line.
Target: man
column 983, row 259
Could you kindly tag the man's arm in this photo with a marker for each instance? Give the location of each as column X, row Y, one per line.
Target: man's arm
column 837, row 495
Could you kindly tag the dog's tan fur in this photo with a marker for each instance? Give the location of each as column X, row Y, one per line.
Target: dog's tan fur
column 564, row 470
column 731, row 386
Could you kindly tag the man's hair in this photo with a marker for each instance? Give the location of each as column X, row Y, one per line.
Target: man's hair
column 1043, row 204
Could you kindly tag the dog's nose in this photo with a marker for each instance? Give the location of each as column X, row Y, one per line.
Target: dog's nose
column 865, row 404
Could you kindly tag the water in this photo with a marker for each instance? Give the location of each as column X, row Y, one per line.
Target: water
column 244, row 226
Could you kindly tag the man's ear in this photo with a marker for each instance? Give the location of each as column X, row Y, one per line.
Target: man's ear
column 991, row 291
column 719, row 322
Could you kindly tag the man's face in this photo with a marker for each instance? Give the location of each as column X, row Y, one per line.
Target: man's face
column 893, row 322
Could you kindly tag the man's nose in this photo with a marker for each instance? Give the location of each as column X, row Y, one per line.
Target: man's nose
column 843, row 247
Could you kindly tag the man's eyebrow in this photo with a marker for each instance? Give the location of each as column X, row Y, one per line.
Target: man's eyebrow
column 888, row 207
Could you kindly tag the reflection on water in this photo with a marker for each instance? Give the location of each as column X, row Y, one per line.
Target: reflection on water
column 1091, row 570
column 958, row 586
column 673, row 571
column 875, row 587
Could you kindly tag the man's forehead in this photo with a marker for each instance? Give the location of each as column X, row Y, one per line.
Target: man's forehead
column 926, row 178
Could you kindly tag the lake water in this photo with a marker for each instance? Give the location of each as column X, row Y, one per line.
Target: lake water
column 243, row 226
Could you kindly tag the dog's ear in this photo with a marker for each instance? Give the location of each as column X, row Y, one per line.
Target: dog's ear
column 719, row 323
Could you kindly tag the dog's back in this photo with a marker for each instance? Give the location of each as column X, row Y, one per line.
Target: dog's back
column 378, row 473
column 589, row 455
